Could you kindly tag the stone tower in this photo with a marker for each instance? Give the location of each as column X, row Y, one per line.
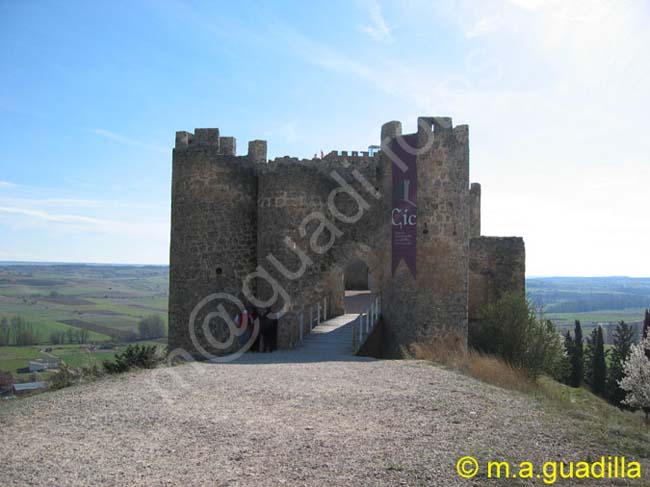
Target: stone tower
column 213, row 230
column 434, row 301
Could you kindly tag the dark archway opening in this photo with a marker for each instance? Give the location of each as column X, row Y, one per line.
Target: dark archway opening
column 356, row 283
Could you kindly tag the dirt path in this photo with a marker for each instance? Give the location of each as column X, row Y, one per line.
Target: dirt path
column 271, row 421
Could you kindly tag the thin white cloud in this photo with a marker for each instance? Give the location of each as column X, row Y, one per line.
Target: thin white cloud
column 527, row 4
column 107, row 134
column 132, row 228
column 44, row 215
column 484, row 25
column 6, row 184
column 378, row 29
column 37, row 203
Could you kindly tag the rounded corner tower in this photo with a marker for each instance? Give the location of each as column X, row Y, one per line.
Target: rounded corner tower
column 426, row 292
column 213, row 233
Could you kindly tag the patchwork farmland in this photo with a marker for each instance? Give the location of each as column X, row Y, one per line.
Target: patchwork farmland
column 106, row 300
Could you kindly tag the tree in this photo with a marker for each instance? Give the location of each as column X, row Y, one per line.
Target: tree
column 57, row 337
column 546, row 351
column 588, row 357
column 636, row 380
column 135, row 356
column 510, row 329
column 646, row 327
column 143, row 328
column 22, row 332
column 599, row 365
column 5, row 332
column 569, row 350
column 152, row 326
column 620, row 352
column 577, row 364
column 84, row 334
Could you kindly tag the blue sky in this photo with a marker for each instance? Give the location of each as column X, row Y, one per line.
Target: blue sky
column 555, row 94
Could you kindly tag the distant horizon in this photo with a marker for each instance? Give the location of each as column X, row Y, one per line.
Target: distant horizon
column 118, row 264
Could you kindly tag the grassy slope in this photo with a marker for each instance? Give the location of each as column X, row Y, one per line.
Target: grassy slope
column 590, row 417
column 619, row 431
column 13, row 358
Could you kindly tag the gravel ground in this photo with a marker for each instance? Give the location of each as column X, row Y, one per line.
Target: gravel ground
column 270, row 421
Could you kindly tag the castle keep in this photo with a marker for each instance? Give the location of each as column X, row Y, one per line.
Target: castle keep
column 281, row 234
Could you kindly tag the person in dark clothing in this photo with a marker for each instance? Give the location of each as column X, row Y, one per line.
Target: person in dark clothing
column 274, row 333
column 243, row 322
column 267, row 329
column 255, row 320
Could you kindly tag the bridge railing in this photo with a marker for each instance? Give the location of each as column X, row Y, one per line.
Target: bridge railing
column 311, row 316
column 364, row 324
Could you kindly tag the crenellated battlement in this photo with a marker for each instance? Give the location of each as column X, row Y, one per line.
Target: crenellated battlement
column 330, row 162
column 209, row 138
column 429, row 129
column 350, row 155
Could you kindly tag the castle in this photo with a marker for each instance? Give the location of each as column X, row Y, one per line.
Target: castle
column 282, row 233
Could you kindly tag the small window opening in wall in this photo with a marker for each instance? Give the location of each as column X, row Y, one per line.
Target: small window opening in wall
column 219, row 271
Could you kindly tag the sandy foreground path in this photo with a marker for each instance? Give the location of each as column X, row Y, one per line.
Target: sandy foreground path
column 270, row 420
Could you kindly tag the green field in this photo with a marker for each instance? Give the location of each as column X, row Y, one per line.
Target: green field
column 628, row 315
column 107, row 300
column 593, row 301
column 110, row 300
column 15, row 359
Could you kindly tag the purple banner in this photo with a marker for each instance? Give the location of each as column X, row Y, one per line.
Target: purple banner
column 404, row 209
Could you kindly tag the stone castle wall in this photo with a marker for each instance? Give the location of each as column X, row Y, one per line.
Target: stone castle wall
column 307, row 202
column 435, row 302
column 287, row 229
column 497, row 265
column 213, row 229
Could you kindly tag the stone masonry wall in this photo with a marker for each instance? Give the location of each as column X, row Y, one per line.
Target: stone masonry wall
column 213, row 231
column 435, row 302
column 475, row 210
column 295, row 201
column 497, row 265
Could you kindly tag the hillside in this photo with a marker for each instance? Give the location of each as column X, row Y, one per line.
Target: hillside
column 592, row 300
column 269, row 422
column 108, row 300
